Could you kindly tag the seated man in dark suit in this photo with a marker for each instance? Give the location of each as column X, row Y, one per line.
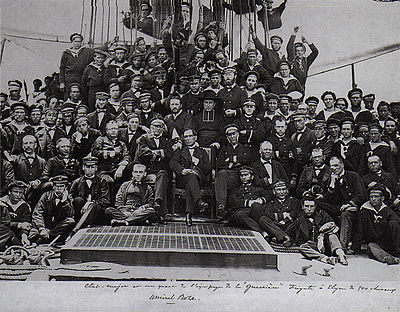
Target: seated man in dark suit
column 379, row 227
column 102, row 115
column 313, row 230
column 192, row 165
column 315, row 176
column 267, row 170
column 230, row 159
column 344, row 193
column 247, row 202
column 131, row 134
column 90, row 192
column 83, row 138
column 178, row 120
column 279, row 213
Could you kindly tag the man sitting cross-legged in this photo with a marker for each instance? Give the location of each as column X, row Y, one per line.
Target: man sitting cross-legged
column 134, row 203
column 315, row 230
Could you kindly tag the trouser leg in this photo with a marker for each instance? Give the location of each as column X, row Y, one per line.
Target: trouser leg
column 116, row 213
column 377, row 252
column 192, row 191
column 6, row 235
column 225, row 181
column 269, row 226
column 161, row 191
column 95, row 217
column 140, row 215
column 242, row 218
column 346, row 224
column 334, row 243
column 63, row 228
column 393, row 235
column 310, row 251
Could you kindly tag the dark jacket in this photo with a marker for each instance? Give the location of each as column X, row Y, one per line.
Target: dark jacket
column 56, row 166
column 182, row 160
column 240, row 197
column 275, row 209
column 261, row 174
column 230, row 158
column 99, row 190
column 21, row 212
column 309, row 178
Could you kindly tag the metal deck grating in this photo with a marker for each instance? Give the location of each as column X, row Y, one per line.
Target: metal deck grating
column 144, row 241
column 173, row 228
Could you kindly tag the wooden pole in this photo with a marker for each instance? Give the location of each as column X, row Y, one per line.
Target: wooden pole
column 266, row 29
column 176, row 21
column 3, row 45
column 108, row 20
column 353, row 76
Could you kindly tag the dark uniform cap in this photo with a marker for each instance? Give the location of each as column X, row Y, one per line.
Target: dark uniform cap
column 60, row 179
column 362, row 125
column 355, row 90
column 159, row 71
column 394, row 103
column 148, row 5
column 75, row 84
column 194, row 77
column 214, row 72
column 332, row 121
column 313, row 99
column 150, row 53
column 279, row 183
column 230, row 127
column 283, row 62
column 35, row 107
column 74, row 35
column 320, row 121
column 276, row 37
column 183, row 77
column 375, row 186
column 17, row 183
column 144, row 96
column 209, row 95
column 102, row 95
column 272, row 96
column 14, row 85
column 249, row 102
column 285, row 96
column 247, row 168
column 298, row 115
column 375, row 125
column 299, row 44
column 136, row 54
column 370, row 95
column 249, row 51
column 120, row 47
column 90, row 160
column 252, row 72
column 228, row 70
column 68, row 107
column 19, row 104
column 157, row 122
column 347, row 120
column 127, row 100
column 200, row 34
column 102, row 52
column 113, row 84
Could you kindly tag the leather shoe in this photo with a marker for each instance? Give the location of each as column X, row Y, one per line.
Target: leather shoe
column 188, row 220
column 203, row 206
column 343, row 260
column 221, row 212
column 287, row 242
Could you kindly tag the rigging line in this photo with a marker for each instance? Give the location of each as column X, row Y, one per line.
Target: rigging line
column 102, row 20
column 108, row 20
column 83, row 14
column 131, row 23
column 24, row 47
column 38, row 39
column 356, row 62
column 91, row 22
column 3, row 45
column 116, row 18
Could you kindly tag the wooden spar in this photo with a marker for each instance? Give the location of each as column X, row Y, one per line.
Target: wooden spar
column 95, row 20
column 91, row 23
column 353, row 76
column 102, row 21
column 3, row 45
column 116, row 18
column 130, row 24
column 231, row 32
column 108, row 20
column 255, row 16
column 83, row 15
column 266, row 30
column 177, row 17
column 240, row 28
column 136, row 19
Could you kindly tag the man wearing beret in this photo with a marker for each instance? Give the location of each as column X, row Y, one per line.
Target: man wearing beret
column 90, row 192
column 113, row 72
column 19, row 210
column 296, row 55
column 379, row 227
column 348, row 147
column 99, row 118
column 93, row 78
column 192, row 166
column 343, row 194
column 232, row 95
column 17, row 128
column 83, row 138
column 73, row 62
column 53, row 214
column 231, row 157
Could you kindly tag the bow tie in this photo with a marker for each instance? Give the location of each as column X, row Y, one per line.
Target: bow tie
column 101, row 110
column 266, row 162
column 136, row 183
column 319, row 168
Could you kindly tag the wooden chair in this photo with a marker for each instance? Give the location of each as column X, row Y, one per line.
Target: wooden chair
column 207, row 188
